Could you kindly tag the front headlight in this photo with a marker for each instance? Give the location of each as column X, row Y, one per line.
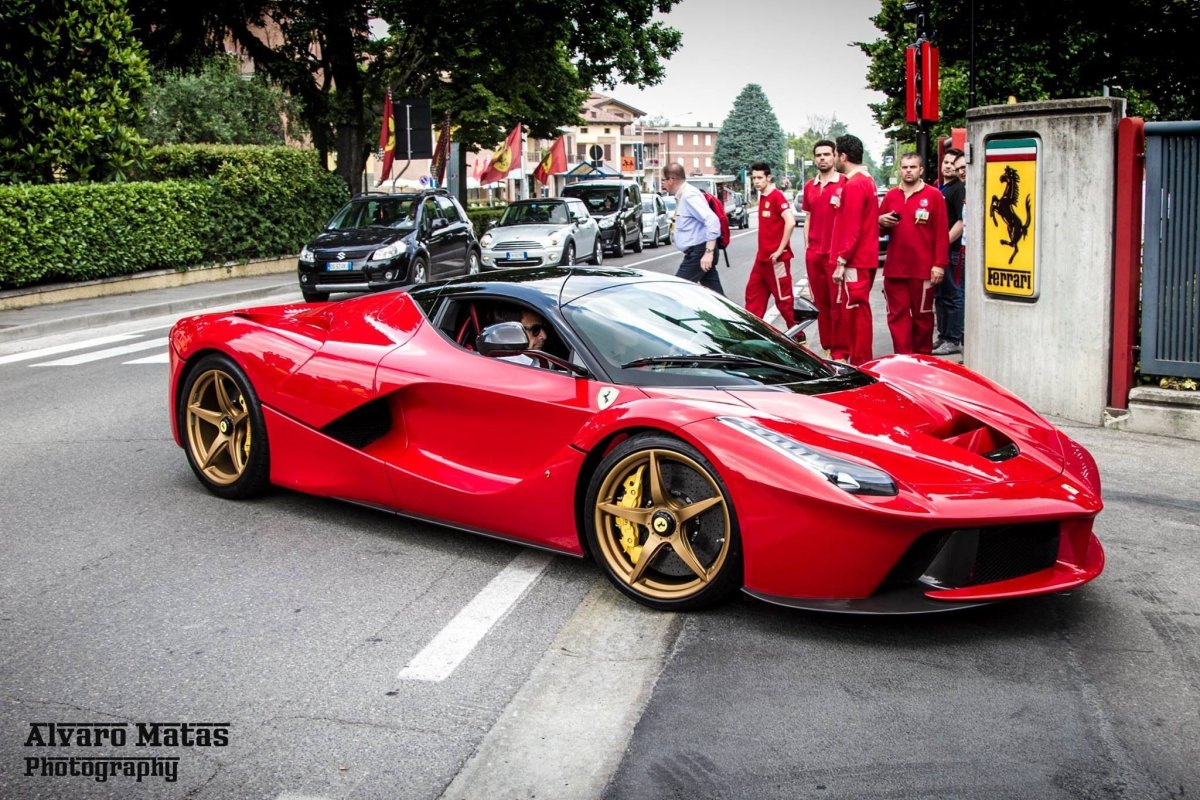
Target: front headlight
column 846, row 475
column 486, row 240
column 391, row 251
column 607, row 222
column 306, row 254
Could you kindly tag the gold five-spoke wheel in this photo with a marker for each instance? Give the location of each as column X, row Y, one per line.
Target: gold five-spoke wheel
column 662, row 525
column 223, row 429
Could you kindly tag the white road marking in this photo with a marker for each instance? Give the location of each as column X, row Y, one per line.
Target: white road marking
column 565, row 731
column 84, row 358
column 160, row 358
column 66, row 348
column 456, row 641
column 676, row 254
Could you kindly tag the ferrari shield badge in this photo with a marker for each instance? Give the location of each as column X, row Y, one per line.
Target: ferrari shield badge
column 606, row 396
column 1010, row 228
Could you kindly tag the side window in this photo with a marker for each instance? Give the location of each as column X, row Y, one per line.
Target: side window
column 447, row 208
column 429, row 212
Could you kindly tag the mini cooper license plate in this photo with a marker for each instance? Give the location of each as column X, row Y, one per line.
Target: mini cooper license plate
column 339, row 266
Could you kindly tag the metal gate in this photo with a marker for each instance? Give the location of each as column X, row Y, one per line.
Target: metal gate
column 1171, row 251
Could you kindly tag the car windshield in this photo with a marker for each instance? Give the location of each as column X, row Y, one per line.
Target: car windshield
column 390, row 212
column 648, row 206
column 535, row 214
column 598, row 199
column 673, row 334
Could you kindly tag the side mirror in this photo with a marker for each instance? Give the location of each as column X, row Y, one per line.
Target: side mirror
column 805, row 314
column 502, row 339
column 440, row 223
column 581, row 219
column 493, row 223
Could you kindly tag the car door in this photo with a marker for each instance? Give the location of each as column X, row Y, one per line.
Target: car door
column 457, row 234
column 633, row 213
column 585, row 232
column 433, row 233
column 487, row 441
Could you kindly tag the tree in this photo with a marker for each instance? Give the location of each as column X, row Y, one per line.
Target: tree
column 489, row 63
column 216, row 105
column 750, row 133
column 71, row 79
column 1038, row 51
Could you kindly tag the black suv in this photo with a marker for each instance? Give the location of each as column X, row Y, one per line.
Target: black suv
column 378, row 241
column 616, row 205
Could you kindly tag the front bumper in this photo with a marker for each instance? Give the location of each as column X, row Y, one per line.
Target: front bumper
column 369, row 277
column 505, row 258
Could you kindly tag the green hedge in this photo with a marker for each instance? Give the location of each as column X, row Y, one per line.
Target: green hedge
column 482, row 215
column 194, row 205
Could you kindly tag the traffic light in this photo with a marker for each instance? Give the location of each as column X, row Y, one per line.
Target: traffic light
column 921, row 83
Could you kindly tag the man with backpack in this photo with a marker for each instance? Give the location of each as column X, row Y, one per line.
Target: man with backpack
column 697, row 230
column 771, row 275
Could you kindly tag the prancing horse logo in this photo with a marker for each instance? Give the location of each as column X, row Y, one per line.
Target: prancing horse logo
column 606, row 397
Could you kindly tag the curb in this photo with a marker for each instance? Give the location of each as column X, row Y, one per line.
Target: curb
column 16, row 299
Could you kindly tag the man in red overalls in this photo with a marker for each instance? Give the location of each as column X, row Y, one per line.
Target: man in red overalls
column 918, row 252
column 821, row 196
column 855, row 249
column 771, row 275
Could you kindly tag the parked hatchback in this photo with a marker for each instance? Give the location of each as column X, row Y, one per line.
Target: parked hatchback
column 379, row 241
column 543, row 232
column 656, row 221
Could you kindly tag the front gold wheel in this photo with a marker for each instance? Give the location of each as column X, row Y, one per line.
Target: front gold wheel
column 662, row 525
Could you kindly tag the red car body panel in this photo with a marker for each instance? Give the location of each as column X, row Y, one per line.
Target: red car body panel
column 478, row 444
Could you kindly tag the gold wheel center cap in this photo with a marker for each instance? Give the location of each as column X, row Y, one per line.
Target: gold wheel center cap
column 662, row 523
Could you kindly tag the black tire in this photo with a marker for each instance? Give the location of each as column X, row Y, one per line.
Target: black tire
column 691, row 528
column 637, row 243
column 419, row 271
column 619, row 247
column 598, row 252
column 568, row 256
column 224, row 433
column 313, row 297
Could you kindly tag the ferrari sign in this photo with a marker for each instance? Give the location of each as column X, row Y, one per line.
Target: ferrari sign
column 1009, row 239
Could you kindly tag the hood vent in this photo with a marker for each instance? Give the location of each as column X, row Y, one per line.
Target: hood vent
column 974, row 436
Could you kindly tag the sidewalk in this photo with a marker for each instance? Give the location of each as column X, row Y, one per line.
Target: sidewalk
column 140, row 297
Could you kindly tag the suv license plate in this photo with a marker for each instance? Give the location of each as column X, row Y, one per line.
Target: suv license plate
column 339, row 266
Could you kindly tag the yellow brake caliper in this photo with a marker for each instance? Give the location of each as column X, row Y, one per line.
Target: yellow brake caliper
column 246, row 444
column 631, row 499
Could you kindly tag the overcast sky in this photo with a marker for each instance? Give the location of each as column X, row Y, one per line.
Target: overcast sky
column 799, row 51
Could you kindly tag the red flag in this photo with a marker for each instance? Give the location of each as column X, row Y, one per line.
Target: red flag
column 481, row 165
column 507, row 158
column 555, row 161
column 441, row 153
column 387, row 138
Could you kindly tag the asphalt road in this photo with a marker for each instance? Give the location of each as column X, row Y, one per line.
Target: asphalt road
column 353, row 654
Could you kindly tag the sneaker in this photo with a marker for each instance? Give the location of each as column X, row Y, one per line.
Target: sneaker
column 947, row 348
column 938, row 342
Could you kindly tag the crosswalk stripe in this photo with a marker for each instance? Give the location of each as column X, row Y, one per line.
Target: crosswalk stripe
column 66, row 348
column 84, row 358
column 158, row 358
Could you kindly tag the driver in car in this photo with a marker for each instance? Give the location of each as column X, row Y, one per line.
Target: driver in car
column 536, row 331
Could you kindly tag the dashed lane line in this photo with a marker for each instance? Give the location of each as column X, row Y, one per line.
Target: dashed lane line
column 455, row 642
column 97, row 355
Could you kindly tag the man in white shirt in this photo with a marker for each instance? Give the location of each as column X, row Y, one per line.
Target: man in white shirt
column 697, row 230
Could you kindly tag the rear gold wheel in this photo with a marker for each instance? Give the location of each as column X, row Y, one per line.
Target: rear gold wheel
column 662, row 525
column 223, row 429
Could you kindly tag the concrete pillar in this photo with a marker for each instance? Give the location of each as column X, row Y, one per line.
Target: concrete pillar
column 1047, row 342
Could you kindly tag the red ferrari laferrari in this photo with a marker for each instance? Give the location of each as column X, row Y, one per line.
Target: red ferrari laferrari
column 687, row 446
